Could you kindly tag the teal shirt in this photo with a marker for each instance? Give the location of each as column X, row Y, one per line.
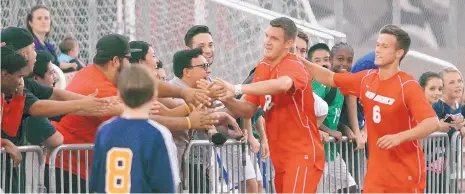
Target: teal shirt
column 334, row 112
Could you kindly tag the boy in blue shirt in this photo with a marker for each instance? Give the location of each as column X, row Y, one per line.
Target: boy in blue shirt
column 133, row 153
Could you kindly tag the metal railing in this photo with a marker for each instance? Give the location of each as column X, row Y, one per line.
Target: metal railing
column 70, row 152
column 229, row 168
column 32, row 166
column 457, row 164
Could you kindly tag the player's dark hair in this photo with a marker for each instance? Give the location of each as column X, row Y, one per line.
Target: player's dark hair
column 29, row 19
column 182, row 59
column 402, row 37
column 315, row 47
column 159, row 64
column 136, row 86
column 341, row 45
column 303, row 36
column 193, row 31
column 425, row 77
column 139, row 55
column 289, row 27
column 67, row 45
column 11, row 62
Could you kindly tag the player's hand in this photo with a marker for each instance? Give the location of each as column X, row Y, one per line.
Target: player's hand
column 388, row 141
column 360, row 141
column 254, row 144
column 13, row 151
column 203, row 118
column 214, row 91
column 226, row 90
column 20, row 88
column 265, row 149
column 93, row 105
column 324, row 136
column 337, row 135
column 195, row 96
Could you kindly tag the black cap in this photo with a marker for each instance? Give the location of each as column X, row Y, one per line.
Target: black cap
column 182, row 59
column 16, row 38
column 113, row 45
column 140, row 54
column 42, row 61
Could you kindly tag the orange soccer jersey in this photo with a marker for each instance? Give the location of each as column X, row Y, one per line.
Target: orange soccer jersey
column 390, row 106
column 295, row 146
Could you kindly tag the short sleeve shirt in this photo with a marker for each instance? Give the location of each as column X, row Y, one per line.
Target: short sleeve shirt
column 82, row 129
column 290, row 122
column 391, row 106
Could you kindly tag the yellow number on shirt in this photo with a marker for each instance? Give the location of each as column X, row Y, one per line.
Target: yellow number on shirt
column 376, row 114
column 118, row 172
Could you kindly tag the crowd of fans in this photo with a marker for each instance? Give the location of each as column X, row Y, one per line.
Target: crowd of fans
column 34, row 112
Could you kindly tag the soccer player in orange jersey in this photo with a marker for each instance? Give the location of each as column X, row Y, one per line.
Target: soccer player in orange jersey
column 397, row 115
column 282, row 87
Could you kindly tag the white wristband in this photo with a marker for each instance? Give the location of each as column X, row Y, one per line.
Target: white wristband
column 238, row 89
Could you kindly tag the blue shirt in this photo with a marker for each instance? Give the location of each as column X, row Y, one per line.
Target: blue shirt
column 442, row 109
column 133, row 155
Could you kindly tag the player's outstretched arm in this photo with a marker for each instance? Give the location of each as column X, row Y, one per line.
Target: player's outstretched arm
column 423, row 129
column 193, row 96
column 421, row 110
column 267, row 87
column 320, row 74
column 242, row 108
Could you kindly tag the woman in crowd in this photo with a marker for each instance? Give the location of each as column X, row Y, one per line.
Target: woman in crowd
column 39, row 23
column 431, row 83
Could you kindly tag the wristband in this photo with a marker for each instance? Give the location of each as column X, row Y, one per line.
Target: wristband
column 238, row 89
column 187, row 108
column 189, row 124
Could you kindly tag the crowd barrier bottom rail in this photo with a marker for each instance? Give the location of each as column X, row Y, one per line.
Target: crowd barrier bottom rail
column 207, row 168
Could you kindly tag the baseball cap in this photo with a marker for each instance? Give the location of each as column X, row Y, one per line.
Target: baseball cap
column 16, row 38
column 140, row 54
column 113, row 45
column 42, row 61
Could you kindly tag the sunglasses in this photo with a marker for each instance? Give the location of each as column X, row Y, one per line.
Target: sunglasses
column 205, row 66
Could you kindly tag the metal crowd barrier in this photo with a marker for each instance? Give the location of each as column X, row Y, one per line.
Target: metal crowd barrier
column 31, row 169
column 224, row 169
column 67, row 151
column 344, row 169
column 457, row 164
column 210, row 169
column 437, row 158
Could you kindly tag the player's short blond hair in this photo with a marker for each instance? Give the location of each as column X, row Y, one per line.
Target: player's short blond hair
column 136, row 86
column 449, row 70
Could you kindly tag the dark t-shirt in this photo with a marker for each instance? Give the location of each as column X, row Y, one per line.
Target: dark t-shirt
column 442, row 109
column 40, row 91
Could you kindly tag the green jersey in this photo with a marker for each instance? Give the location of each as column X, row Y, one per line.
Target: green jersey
column 335, row 100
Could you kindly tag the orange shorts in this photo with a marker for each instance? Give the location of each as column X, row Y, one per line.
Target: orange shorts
column 385, row 189
column 298, row 179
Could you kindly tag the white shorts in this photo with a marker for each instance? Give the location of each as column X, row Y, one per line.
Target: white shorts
column 233, row 165
column 335, row 176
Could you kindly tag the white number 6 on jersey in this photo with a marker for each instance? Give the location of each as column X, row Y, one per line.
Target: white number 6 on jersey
column 376, row 114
